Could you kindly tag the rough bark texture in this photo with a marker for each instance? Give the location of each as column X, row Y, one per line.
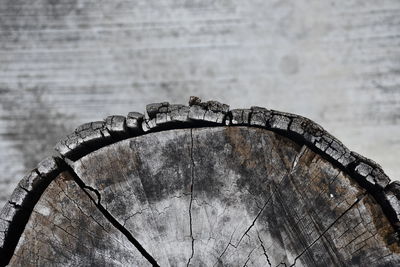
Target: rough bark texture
column 175, row 187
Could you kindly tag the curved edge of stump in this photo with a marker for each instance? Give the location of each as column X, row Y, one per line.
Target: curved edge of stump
column 164, row 116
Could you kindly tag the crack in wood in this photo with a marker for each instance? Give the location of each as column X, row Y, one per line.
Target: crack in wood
column 191, row 195
column 85, row 214
column 275, row 193
column 263, row 248
column 254, row 221
column 226, row 248
column 92, row 136
column 248, row 257
column 110, row 218
column 328, row 228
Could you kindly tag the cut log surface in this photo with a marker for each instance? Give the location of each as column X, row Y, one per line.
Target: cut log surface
column 66, row 229
column 235, row 195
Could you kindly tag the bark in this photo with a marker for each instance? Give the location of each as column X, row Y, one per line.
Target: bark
column 203, row 186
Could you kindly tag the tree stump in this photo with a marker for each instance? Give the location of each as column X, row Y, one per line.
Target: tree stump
column 203, row 186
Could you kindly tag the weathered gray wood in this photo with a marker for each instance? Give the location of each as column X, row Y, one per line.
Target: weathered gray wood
column 182, row 189
column 238, row 187
column 66, row 62
column 15, row 213
column 67, row 229
column 237, row 195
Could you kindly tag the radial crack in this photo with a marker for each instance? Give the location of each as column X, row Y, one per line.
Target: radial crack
column 263, row 248
column 191, row 195
column 109, row 217
column 254, row 221
column 327, row 229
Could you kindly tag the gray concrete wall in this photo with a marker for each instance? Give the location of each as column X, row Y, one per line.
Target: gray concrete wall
column 65, row 62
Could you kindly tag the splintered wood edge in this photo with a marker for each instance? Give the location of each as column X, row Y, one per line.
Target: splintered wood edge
column 164, row 116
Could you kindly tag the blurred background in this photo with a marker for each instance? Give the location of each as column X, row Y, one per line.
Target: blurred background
column 66, row 62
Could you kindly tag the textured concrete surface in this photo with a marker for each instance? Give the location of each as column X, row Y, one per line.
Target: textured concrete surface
column 66, row 62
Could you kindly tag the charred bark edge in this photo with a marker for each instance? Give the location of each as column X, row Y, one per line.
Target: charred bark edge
column 15, row 214
column 164, row 116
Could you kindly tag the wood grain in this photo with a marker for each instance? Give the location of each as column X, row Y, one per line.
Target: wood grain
column 221, row 196
column 268, row 177
column 66, row 229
